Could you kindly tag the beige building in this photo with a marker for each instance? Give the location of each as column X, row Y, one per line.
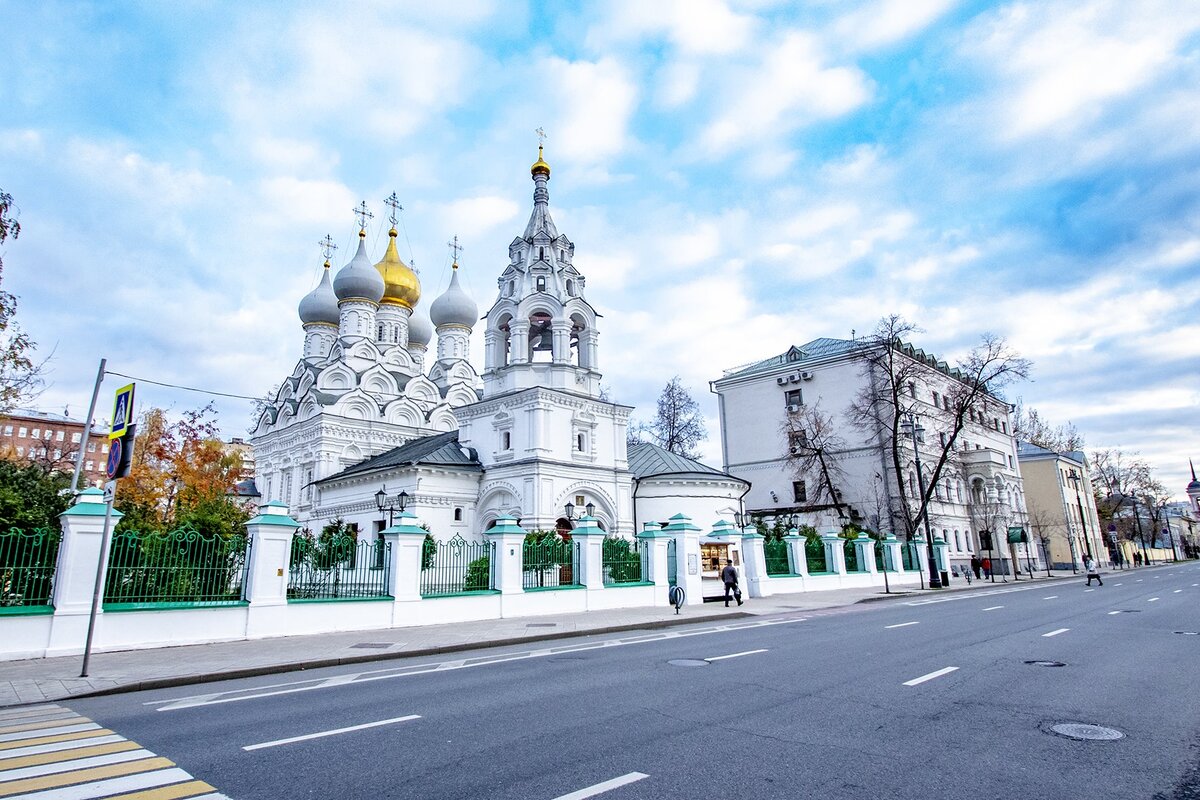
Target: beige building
column 1062, row 507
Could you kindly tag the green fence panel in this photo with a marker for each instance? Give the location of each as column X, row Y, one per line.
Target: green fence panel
column 457, row 567
column 909, row 557
column 880, row 564
column 550, row 564
column 341, row 567
column 622, row 561
column 180, row 567
column 672, row 563
column 27, row 563
column 814, row 555
column 850, row 548
column 775, row 551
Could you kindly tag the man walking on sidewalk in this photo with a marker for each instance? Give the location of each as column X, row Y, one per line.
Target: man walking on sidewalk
column 1093, row 570
column 729, row 578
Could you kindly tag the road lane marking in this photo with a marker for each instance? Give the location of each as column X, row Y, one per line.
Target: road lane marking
column 1112, row 613
column 935, row 674
column 971, row 595
column 1089, row 590
column 334, row 732
column 1177, row 591
column 900, row 625
column 312, row 684
column 1120, row 584
column 992, row 608
column 1152, row 599
column 1055, row 633
column 735, row 655
column 1051, row 597
column 1139, row 580
column 607, row 786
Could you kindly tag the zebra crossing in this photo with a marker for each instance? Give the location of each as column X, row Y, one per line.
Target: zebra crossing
column 48, row 752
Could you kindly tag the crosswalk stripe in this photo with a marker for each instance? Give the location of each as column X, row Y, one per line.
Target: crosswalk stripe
column 34, row 726
column 54, row 713
column 75, row 765
column 87, row 732
column 55, row 756
column 42, row 782
column 105, row 788
column 22, row 735
column 24, row 711
column 54, row 747
column 174, row 792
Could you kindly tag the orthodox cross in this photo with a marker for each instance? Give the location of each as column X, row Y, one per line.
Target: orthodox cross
column 455, row 248
column 541, row 134
column 393, row 202
column 363, row 215
column 327, row 247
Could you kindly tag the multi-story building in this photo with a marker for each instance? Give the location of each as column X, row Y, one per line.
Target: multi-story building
column 1062, row 506
column 976, row 502
column 53, row 440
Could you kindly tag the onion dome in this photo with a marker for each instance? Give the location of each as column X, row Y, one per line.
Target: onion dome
column 1194, row 486
column 358, row 280
column 540, row 167
column 320, row 305
column 420, row 329
column 454, row 307
column 401, row 286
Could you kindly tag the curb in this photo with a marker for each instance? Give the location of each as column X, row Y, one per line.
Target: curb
column 365, row 658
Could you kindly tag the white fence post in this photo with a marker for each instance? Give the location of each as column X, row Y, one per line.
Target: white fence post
column 591, row 553
column 687, row 556
column 657, row 545
column 835, row 555
column 405, row 542
column 758, row 582
column 269, row 536
column 508, row 540
column 75, row 571
column 797, row 545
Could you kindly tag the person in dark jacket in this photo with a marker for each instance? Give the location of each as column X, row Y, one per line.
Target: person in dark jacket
column 976, row 566
column 729, row 578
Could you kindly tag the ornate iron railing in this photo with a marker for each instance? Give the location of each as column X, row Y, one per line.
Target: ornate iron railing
column 814, row 556
column 910, row 556
column 340, row 567
column 27, row 563
column 622, row 561
column 457, row 567
column 180, row 567
column 775, row 551
column 550, row 563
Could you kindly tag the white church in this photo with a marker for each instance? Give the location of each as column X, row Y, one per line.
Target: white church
column 368, row 408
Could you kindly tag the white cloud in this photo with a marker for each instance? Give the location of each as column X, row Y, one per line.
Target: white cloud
column 886, row 22
column 593, row 103
column 693, row 26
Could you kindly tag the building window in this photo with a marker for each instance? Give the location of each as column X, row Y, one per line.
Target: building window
column 506, row 441
column 104, row 447
column 935, row 399
column 541, row 254
column 580, row 442
column 91, row 447
column 793, row 399
column 20, row 451
column 8, row 430
column 35, row 432
column 799, row 492
column 61, row 436
column 458, row 515
column 48, row 434
column 21, row 431
column 946, row 402
column 541, row 283
column 76, row 437
column 957, row 541
column 912, row 390
column 89, row 466
column 1010, row 462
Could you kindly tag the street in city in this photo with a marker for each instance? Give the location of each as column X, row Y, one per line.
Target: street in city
column 1047, row 689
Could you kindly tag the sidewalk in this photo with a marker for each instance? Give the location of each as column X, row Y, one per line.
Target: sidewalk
column 46, row 679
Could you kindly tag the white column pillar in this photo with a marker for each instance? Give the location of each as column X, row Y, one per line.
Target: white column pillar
column 75, row 571
column 518, row 341
column 508, row 540
column 687, row 556
column 270, row 539
column 405, row 541
column 591, row 556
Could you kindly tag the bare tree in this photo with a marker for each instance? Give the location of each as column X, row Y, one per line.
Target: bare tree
column 894, row 371
column 678, row 425
column 1030, row 426
column 990, row 516
column 813, row 449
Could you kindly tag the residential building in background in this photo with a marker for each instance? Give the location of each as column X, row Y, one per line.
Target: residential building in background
column 53, row 440
column 976, row 502
column 1062, row 506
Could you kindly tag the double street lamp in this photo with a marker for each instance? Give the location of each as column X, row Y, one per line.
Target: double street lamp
column 390, row 505
column 590, row 509
column 911, row 426
column 1075, row 480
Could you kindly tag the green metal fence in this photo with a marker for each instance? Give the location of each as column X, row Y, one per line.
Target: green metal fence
column 622, row 561
column 881, row 563
column 341, row 567
column 775, row 551
column 27, row 562
column 814, row 555
column 178, row 568
column 909, row 557
column 850, row 548
column 457, row 567
column 672, row 563
column 550, row 564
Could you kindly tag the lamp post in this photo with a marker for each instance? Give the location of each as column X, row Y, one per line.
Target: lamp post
column 1075, row 480
column 911, row 426
column 589, row 509
column 390, row 505
column 1116, row 545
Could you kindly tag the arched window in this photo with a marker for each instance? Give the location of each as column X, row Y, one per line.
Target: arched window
column 541, row 283
column 458, row 515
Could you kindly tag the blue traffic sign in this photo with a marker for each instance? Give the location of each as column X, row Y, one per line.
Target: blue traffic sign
column 114, row 459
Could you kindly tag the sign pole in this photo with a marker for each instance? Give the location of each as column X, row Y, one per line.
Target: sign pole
column 110, row 492
column 87, row 426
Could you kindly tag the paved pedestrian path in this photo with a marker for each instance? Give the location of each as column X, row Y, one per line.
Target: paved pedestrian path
column 48, row 752
column 49, row 679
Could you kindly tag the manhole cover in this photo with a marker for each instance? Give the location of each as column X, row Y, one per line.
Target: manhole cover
column 1084, row 731
column 688, row 662
column 1041, row 663
column 372, row 645
column 1188, row 633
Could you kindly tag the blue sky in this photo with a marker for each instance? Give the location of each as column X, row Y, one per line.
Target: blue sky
column 737, row 177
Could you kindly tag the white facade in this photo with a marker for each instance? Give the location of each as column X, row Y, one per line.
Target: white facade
column 753, row 406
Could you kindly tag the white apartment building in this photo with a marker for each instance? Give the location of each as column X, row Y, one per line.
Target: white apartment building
column 980, row 495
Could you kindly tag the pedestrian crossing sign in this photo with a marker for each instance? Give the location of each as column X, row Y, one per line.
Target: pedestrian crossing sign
column 122, row 415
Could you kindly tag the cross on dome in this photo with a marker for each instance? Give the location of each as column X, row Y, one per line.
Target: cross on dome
column 455, row 249
column 541, row 134
column 393, row 202
column 362, row 214
column 328, row 248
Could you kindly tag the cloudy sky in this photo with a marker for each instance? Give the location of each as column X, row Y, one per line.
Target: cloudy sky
column 737, row 177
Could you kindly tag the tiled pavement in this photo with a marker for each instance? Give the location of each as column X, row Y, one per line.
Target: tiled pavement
column 48, row 752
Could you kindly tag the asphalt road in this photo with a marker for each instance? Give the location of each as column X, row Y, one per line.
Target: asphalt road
column 932, row 698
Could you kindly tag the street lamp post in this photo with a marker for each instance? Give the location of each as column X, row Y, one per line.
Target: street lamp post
column 390, row 505
column 1075, row 480
column 911, row 426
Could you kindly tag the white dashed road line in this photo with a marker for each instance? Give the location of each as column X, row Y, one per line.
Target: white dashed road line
column 935, row 674
column 1055, row 633
column 900, row 625
column 1051, row 597
column 1177, row 591
column 992, row 608
column 735, row 655
column 607, row 786
column 1113, row 613
column 334, row 732
column 1152, row 599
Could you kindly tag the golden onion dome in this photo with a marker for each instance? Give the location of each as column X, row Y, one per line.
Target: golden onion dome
column 402, row 287
column 540, row 166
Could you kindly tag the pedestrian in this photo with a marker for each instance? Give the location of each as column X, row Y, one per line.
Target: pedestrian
column 1093, row 570
column 729, row 577
column 1137, row 559
column 976, row 566
column 987, row 568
